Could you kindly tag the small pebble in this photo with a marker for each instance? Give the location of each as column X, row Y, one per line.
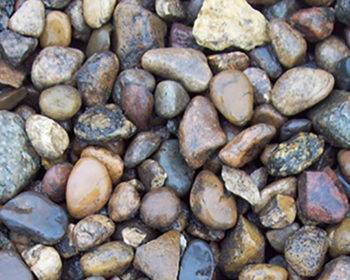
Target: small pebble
column 342, row 73
column 342, row 11
column 170, row 10
column 336, row 269
column 10, row 97
column 151, row 174
column 261, row 84
column 81, row 30
column 100, row 40
column 267, row 114
column 283, row 9
column 181, row 36
column 12, row 266
column 10, row 76
column 293, row 127
column 278, row 237
column 344, row 163
column 55, row 4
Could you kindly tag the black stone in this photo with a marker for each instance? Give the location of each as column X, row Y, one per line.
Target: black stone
column 294, row 126
column 342, row 73
column 282, row 9
column 72, row 270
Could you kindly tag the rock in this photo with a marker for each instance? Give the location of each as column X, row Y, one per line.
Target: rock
column 81, row 30
column 57, row 31
column 196, row 145
column 151, row 174
column 278, row 237
column 19, row 161
column 331, row 119
column 267, row 152
column 171, row 99
column 210, row 204
column 10, row 97
column 232, row 94
column 10, row 76
column 321, row 198
column 181, row 37
column 66, row 247
column 48, row 138
column 35, row 216
column 267, row 114
column 301, row 88
column 342, row 10
column 29, row 19
column 294, row 126
column 247, row 145
column 319, row 2
column 107, row 260
column 55, row 65
column 268, row 271
column 164, row 249
column 124, row 202
column 239, row 183
column 102, row 124
column 197, row 262
column 24, row 111
column 336, row 269
column 132, row 44
column 261, row 84
column 160, row 208
column 339, row 239
column 229, row 61
column 92, row 231
column 199, row 230
column 243, row 245
column 100, row 40
column 242, row 19
column 97, row 12
column 295, row 155
column 306, row 260
column 88, row 188
column 12, row 267
column 170, row 10
column 60, row 102
column 342, row 73
column 259, row 177
column 344, row 163
column 282, row 9
column 185, row 65
column 55, row 4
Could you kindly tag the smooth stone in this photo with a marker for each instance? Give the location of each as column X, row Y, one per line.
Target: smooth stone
column 344, row 163
column 185, row 65
column 10, row 97
column 282, row 9
column 12, row 267
column 267, row 271
column 29, row 19
column 89, row 187
column 196, row 145
column 10, row 76
column 81, row 31
column 170, row 10
column 198, row 230
column 301, row 88
column 181, row 37
column 55, row 4
column 342, row 11
column 35, row 216
column 133, row 43
column 55, row 65
column 339, row 239
column 336, row 269
column 210, row 28
column 232, row 94
column 261, row 84
column 98, row 12
column 100, row 40
column 229, row 61
column 342, row 73
column 293, row 127
column 193, row 9
column 267, row 114
column 165, row 250
column 151, row 174
column 278, row 237
column 60, row 102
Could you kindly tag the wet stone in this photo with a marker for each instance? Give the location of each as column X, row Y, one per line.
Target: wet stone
column 170, row 10
column 151, row 174
column 181, row 36
column 339, row 239
column 267, row 271
column 100, row 40
column 97, row 12
column 336, row 269
column 261, row 84
column 278, row 237
column 342, row 73
column 267, row 114
column 293, row 127
column 81, row 30
column 228, row 61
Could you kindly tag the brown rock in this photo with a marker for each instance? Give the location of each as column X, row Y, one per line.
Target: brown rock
column 10, row 97
column 266, row 113
column 339, row 239
column 336, row 269
column 10, row 76
column 151, row 174
column 278, row 237
column 267, row 152
column 261, row 84
column 228, row 61
column 267, row 271
column 344, row 163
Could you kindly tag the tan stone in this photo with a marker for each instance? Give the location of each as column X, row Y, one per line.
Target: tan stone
column 263, row 272
column 98, row 12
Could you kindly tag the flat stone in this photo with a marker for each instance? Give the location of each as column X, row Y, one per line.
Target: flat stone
column 97, row 12
column 11, row 76
column 339, row 239
column 229, row 61
column 261, row 84
column 336, row 269
column 12, row 267
column 269, row 271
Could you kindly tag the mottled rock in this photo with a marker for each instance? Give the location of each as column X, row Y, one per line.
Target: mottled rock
column 151, row 174
column 261, row 84
column 10, row 76
column 267, row 271
column 342, row 10
column 336, row 269
column 170, row 10
column 81, row 30
column 181, row 37
column 294, row 126
column 342, row 73
column 228, row 61
column 100, row 40
column 278, row 237
column 98, row 12
column 339, row 238
column 267, row 114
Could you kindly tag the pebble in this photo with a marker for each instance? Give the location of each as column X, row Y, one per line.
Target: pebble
column 16, row 48
column 319, row 2
column 193, row 8
column 107, row 260
column 55, row 65
column 293, row 127
column 247, row 145
column 35, row 216
column 164, row 249
column 242, row 246
column 233, row 95
column 185, row 65
column 179, row 174
column 10, row 76
column 199, row 230
column 55, row 4
column 160, row 208
column 295, row 155
column 170, row 10
column 331, row 119
column 261, row 84
column 339, row 239
column 278, row 237
column 81, row 30
column 210, row 28
column 98, row 12
column 197, row 262
column 100, row 40
column 133, row 43
column 19, row 161
column 342, row 11
column 228, row 61
column 336, row 269
column 259, row 177
column 24, row 111
column 267, row 114
column 344, row 163
column 321, row 198
column 305, row 250
column 282, row 9
column 48, row 138
column 301, row 88
column 102, row 124
column 92, row 231
column 210, row 204
column 181, row 36
column 29, row 19
column 57, row 31
column 12, row 267
column 267, row 271
column 60, row 102
column 288, row 43
column 151, row 174
column 66, row 247
column 342, row 73
column 124, row 202
column 89, row 187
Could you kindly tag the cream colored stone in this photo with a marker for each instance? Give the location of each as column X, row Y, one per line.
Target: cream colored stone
column 98, row 12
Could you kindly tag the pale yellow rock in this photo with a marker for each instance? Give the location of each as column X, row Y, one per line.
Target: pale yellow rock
column 230, row 23
column 98, row 12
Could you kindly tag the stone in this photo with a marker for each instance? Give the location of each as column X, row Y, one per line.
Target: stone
column 193, row 8
column 10, row 97
column 81, row 30
column 71, row 269
column 242, row 246
column 344, row 163
column 29, row 19
column 278, row 237
column 293, row 127
column 342, row 10
column 282, row 9
column 301, row 88
column 336, row 269
column 267, row 114
column 10, row 76
column 331, row 119
column 98, row 12
column 210, row 26
column 295, row 155
column 247, row 145
column 55, row 4
column 305, row 250
column 133, row 43
column 36, row 217
column 210, row 204
column 181, row 37
column 321, row 198
column 339, row 239
column 60, row 102
column 267, row 271
column 24, row 111
column 89, row 187
column 197, row 262
column 107, row 260
column 12, row 267
column 196, row 145
column 57, row 31
column 92, row 231
column 228, row 61
column 66, row 247
column 342, row 73
column 165, row 250
column 48, row 138
column 170, row 10
column 151, row 174
column 288, row 43
column 19, row 161
column 259, row 177
column 261, row 84
column 55, row 65
column 100, row 40
column 319, row 2
column 267, row 152
column 198, row 230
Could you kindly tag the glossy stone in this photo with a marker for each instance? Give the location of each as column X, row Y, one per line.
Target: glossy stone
column 229, row 61
column 261, row 84
column 293, row 127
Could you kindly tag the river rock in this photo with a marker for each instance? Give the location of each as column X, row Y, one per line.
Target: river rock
column 100, row 40
column 342, row 10
column 282, row 9
column 339, row 239
column 98, row 12
column 342, row 73
column 294, row 126
column 267, row 271
column 229, row 61
column 12, row 267
column 170, row 10
column 336, row 269
column 267, row 114
column 278, row 237
column 81, row 30
column 11, row 97
column 181, row 36
column 10, row 76
column 344, row 163
column 261, row 84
